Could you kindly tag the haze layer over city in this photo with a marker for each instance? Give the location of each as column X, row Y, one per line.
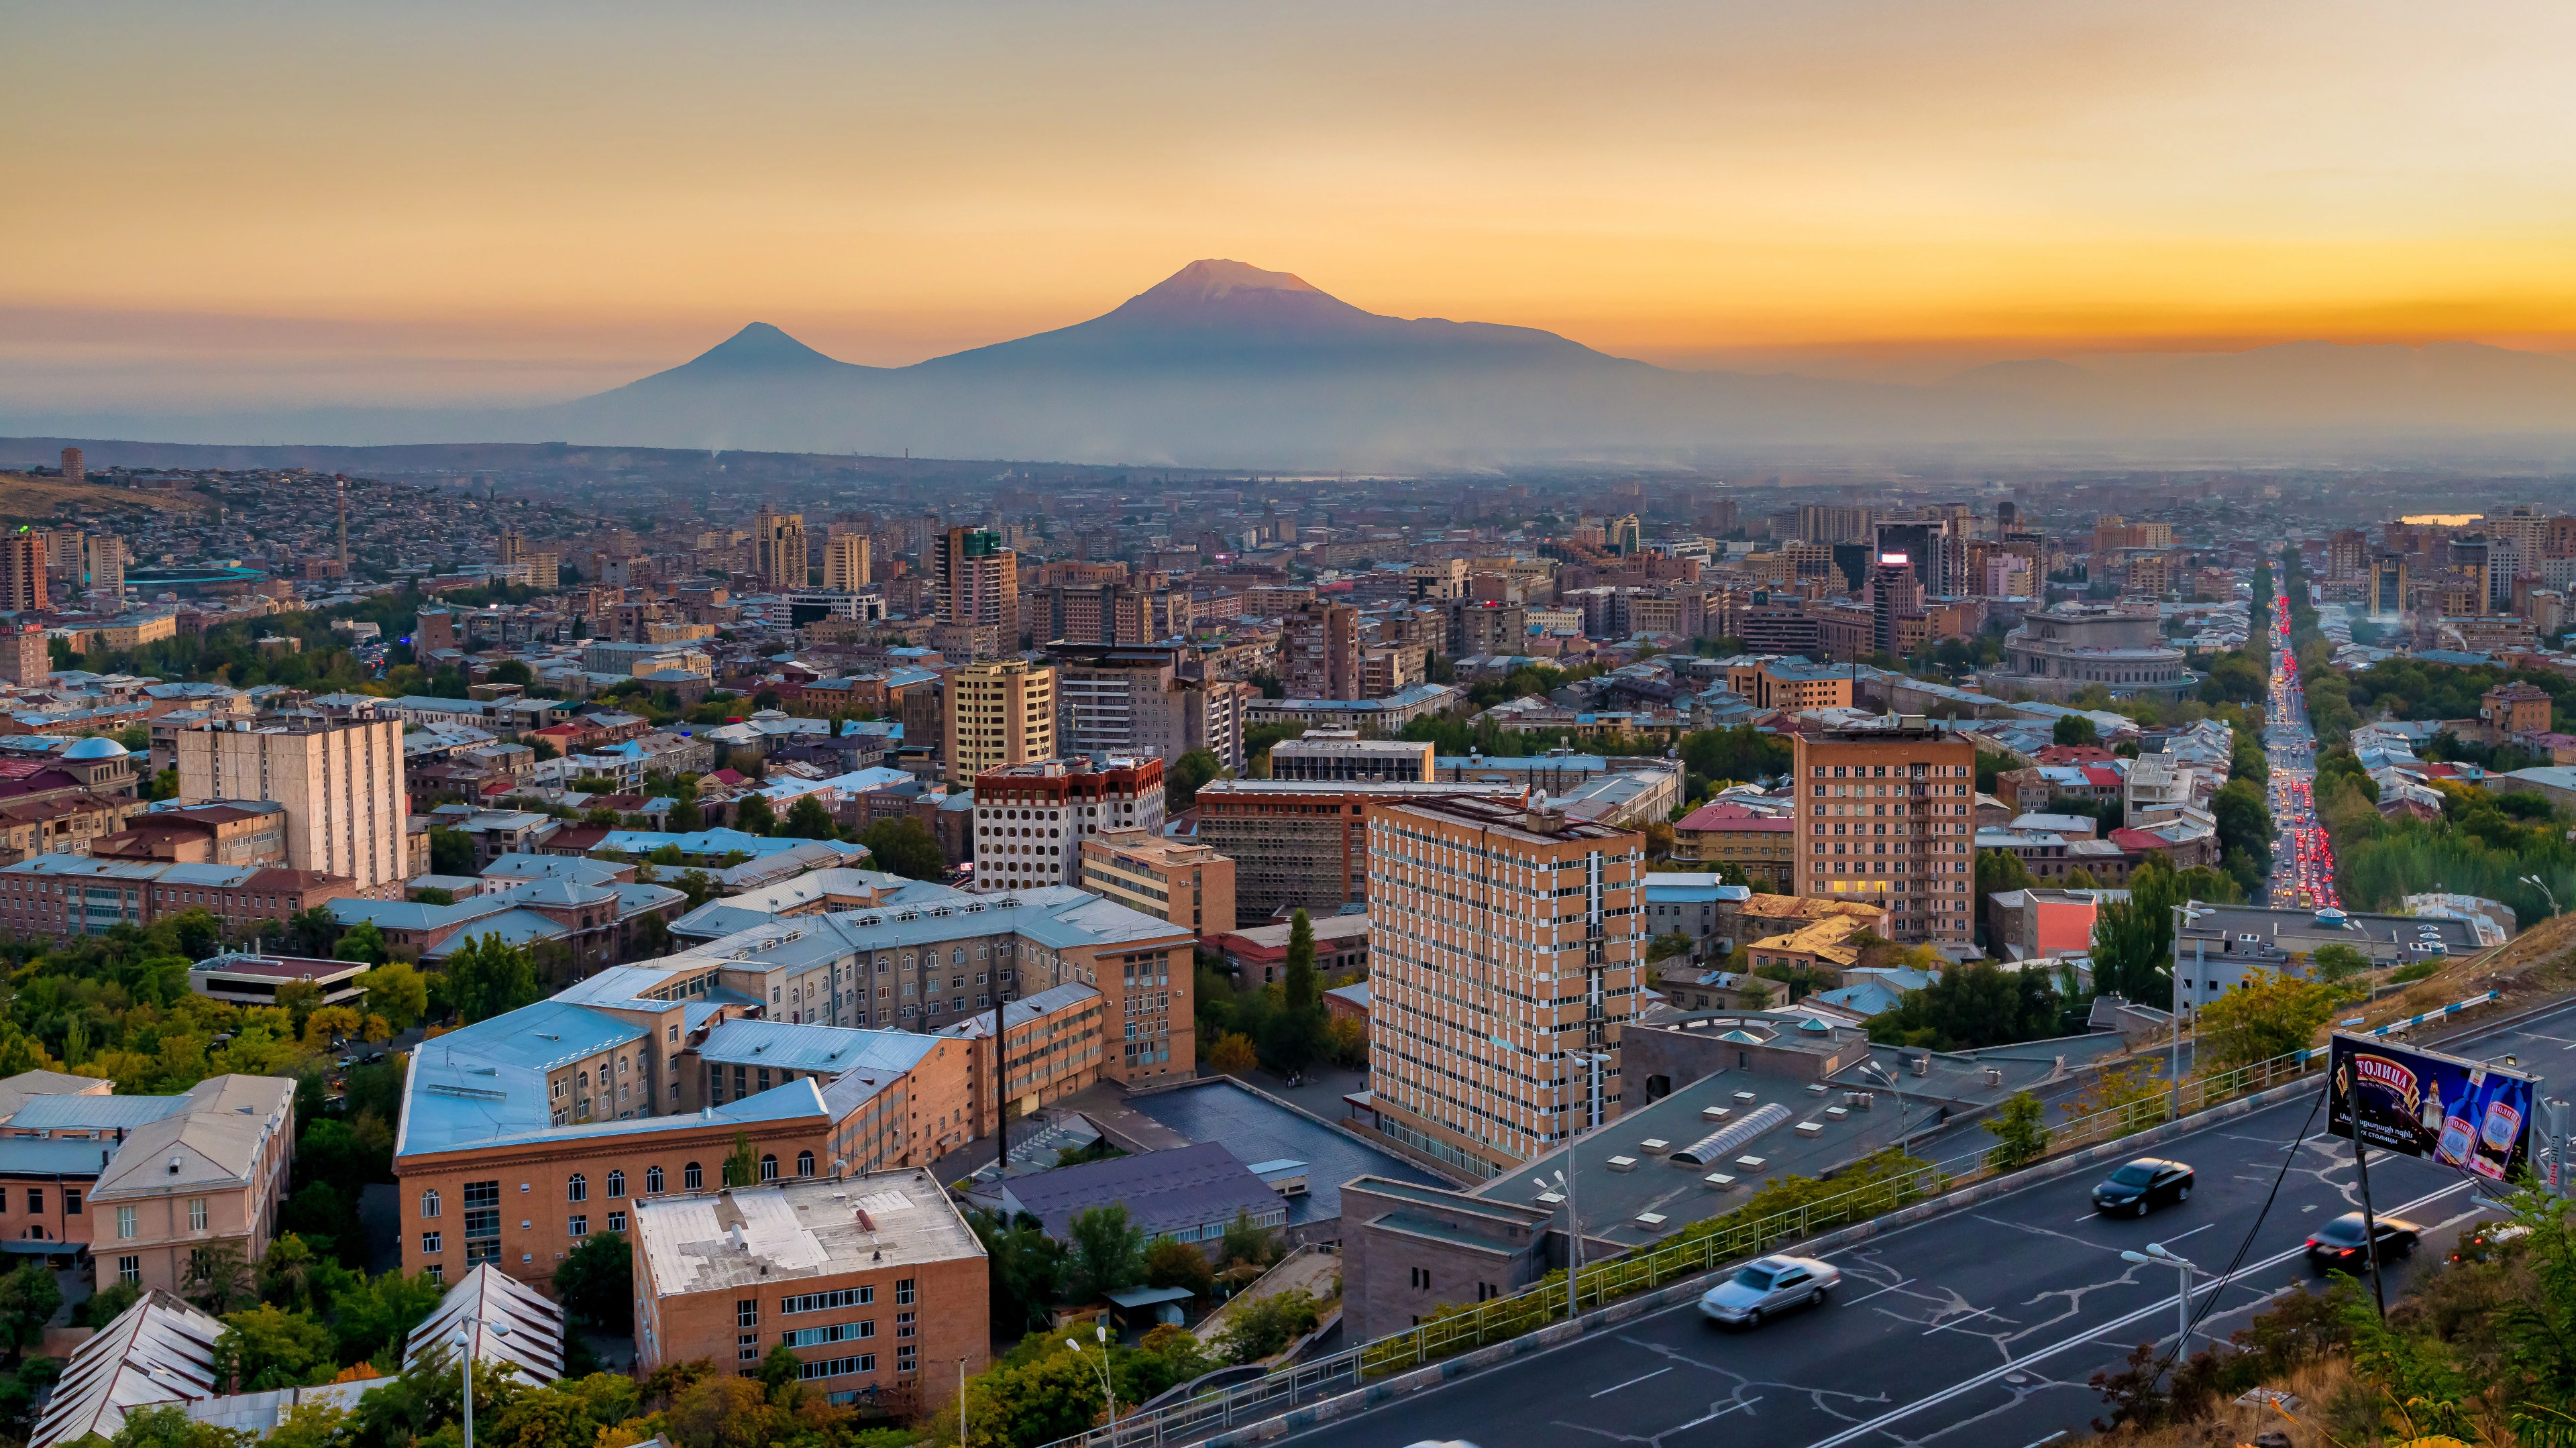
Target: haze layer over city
column 1076, row 728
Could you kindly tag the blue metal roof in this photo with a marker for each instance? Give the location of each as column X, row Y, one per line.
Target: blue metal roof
column 825, row 1049
column 94, row 1113
column 24, row 1156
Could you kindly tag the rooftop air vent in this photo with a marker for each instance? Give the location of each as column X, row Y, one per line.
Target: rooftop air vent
column 174, row 1166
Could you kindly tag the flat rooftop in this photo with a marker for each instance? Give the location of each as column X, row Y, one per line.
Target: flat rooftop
column 799, row 1230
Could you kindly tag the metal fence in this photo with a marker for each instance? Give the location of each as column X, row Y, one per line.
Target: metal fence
column 1702, row 1248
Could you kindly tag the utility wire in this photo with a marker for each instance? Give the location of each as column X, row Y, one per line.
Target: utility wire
column 2247, row 1244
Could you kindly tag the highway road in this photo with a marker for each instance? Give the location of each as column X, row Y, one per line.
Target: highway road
column 1978, row 1327
column 2302, row 857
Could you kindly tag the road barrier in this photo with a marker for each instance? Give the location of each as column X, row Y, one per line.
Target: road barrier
column 1698, row 1250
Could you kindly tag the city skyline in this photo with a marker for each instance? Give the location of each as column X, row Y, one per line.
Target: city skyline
column 521, row 207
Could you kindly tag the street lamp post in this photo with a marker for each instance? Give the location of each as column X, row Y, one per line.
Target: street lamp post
column 1563, row 1181
column 2157, row 1256
column 1100, row 1331
column 1877, row 1072
column 2534, row 882
column 464, row 1344
column 2184, row 914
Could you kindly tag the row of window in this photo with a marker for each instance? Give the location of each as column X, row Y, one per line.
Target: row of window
column 487, row 1195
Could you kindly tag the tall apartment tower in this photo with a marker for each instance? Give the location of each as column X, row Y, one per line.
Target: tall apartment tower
column 103, row 564
column 1887, row 817
column 1894, row 591
column 1319, row 647
column 22, row 571
column 975, row 583
column 342, row 785
column 74, row 469
column 845, row 562
column 1505, row 958
column 24, row 658
column 1031, row 819
column 998, row 714
column 514, row 548
column 778, row 550
column 2348, row 555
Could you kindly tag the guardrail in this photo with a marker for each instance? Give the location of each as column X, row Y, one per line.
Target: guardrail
column 1701, row 1248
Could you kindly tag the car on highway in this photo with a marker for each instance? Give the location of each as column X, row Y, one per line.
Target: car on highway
column 2483, row 1241
column 2143, row 1185
column 1769, row 1287
column 2342, row 1242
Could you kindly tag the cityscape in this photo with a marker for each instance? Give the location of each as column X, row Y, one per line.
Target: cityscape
column 1012, row 869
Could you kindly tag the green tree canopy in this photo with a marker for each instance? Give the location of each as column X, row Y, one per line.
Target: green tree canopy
column 901, row 845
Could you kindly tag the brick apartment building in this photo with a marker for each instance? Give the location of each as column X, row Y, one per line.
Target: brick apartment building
column 1887, row 817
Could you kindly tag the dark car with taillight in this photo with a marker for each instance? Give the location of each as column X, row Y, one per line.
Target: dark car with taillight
column 2342, row 1243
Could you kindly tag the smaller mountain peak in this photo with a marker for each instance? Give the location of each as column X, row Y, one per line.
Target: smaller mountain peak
column 1214, row 278
column 759, row 344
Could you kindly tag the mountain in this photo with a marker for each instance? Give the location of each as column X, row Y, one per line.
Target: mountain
column 1224, row 364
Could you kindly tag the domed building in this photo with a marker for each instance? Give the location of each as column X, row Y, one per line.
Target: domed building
column 2060, row 653
column 62, row 803
column 102, row 765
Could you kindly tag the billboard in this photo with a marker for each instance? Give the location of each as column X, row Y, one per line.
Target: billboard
column 2465, row 1115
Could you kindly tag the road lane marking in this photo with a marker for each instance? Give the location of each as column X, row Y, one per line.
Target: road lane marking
column 1891, row 1287
column 1966, row 1385
column 1632, row 1382
column 2203, row 1227
column 1953, row 1322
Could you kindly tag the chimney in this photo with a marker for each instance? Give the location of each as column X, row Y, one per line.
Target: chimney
column 1541, row 820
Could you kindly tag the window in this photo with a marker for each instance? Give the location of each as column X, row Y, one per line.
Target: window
column 482, row 1222
column 617, row 1186
column 579, row 1226
column 804, row 1163
column 865, row 1362
column 746, row 1312
column 196, row 1214
column 746, row 1347
column 1421, row 1276
column 653, row 1181
column 769, row 1168
column 125, row 1224
column 903, row 1292
column 837, row 1332
column 435, row 1272
column 617, row 1221
column 429, row 1243
column 691, row 1178
column 578, row 1189
column 129, row 1269
column 71, row 1201
column 904, row 1358
column 826, row 1301
column 903, row 1324
column 429, row 1206
column 35, row 1199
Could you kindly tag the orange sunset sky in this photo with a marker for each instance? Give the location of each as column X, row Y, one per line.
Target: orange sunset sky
column 429, row 202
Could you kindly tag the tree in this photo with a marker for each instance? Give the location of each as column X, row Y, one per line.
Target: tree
column 171, row 1427
column 2270, row 1015
column 1170, row 1263
column 219, row 1277
column 807, row 819
column 2075, row 729
column 1181, row 782
column 369, row 1314
column 902, row 845
column 1027, row 1267
column 265, row 1348
column 451, row 852
column 29, row 1297
column 489, row 977
column 396, row 992
column 2020, row 1130
column 1257, row 1329
column 2137, row 1091
column 286, row 1273
column 1232, row 1055
column 1107, row 1253
column 1970, row 1006
column 597, row 1280
column 312, row 931
column 2335, row 963
column 1247, row 1243
column 1294, row 1035
column 742, row 1165
column 753, row 816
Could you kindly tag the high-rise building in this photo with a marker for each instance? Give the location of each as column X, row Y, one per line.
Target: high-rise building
column 1031, row 819
column 2347, row 555
column 513, row 549
column 24, row 657
column 342, row 785
column 1887, row 817
column 74, row 469
column 998, row 713
column 1938, row 555
column 1152, row 699
column 1505, row 948
column 2007, row 516
column 1319, row 649
column 1825, row 523
column 778, row 550
column 2149, row 576
column 1894, row 591
column 845, row 562
column 975, row 584
column 1494, row 627
column 1187, row 885
column 2386, row 595
column 22, row 571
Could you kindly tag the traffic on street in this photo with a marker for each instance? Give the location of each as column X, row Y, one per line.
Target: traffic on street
column 2303, row 871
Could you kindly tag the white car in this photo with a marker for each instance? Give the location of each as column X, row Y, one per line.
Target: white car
column 1769, row 1287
